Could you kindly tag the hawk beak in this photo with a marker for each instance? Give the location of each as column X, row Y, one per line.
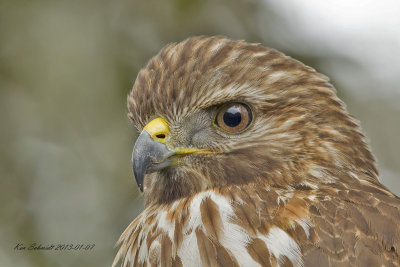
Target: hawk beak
column 151, row 154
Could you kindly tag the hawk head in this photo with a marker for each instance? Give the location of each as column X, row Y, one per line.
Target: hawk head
column 213, row 112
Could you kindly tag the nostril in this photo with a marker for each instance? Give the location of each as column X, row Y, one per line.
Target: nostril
column 160, row 136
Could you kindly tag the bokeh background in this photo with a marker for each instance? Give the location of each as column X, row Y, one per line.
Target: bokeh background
column 67, row 66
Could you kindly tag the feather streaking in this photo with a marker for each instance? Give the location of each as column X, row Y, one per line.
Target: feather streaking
column 299, row 187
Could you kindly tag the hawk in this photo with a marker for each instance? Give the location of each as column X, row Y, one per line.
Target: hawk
column 246, row 157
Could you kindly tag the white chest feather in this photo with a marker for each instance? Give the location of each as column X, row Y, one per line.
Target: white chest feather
column 208, row 232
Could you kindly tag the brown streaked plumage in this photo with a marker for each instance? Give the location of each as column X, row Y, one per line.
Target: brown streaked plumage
column 296, row 186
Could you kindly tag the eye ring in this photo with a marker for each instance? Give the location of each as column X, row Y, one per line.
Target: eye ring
column 233, row 118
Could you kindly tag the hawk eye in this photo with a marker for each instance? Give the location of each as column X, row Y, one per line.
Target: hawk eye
column 233, row 118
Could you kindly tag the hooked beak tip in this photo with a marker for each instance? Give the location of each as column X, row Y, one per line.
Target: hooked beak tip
column 148, row 155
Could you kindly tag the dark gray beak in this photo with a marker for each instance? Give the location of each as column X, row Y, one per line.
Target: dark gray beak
column 149, row 156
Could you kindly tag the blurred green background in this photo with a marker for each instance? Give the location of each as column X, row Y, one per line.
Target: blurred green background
column 67, row 66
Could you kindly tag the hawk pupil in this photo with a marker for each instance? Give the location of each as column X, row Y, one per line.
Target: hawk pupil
column 232, row 116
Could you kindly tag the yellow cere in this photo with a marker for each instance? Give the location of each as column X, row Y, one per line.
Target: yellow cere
column 158, row 129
